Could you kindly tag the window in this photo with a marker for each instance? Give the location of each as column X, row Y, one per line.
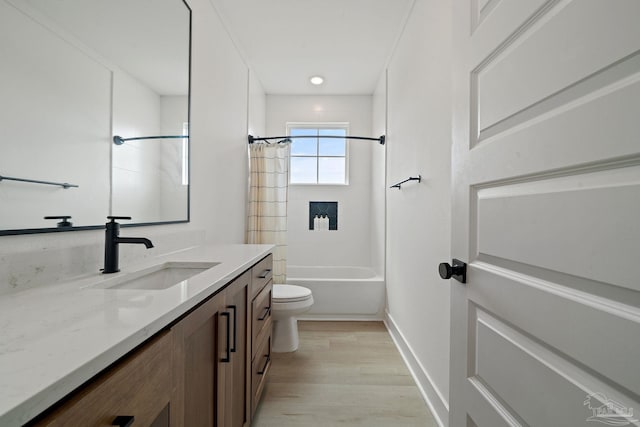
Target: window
column 321, row 158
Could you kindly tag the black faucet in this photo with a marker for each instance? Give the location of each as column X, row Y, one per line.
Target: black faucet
column 112, row 241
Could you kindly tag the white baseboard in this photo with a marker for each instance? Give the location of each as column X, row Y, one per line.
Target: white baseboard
column 432, row 396
column 342, row 317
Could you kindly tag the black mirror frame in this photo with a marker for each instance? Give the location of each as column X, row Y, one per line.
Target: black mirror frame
column 19, row 231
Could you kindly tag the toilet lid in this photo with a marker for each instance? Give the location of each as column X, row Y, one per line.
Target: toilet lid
column 290, row 293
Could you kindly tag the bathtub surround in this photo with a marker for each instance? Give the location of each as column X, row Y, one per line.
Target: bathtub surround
column 267, row 210
column 350, row 244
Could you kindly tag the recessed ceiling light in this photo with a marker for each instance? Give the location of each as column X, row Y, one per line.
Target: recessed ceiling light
column 316, row 80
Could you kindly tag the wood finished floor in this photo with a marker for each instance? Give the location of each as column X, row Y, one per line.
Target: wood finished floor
column 343, row 374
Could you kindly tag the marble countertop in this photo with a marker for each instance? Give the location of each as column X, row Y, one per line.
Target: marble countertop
column 54, row 338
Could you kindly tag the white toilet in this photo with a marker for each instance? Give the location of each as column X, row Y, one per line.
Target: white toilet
column 288, row 302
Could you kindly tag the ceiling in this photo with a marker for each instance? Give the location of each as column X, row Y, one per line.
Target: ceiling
column 155, row 51
column 285, row 42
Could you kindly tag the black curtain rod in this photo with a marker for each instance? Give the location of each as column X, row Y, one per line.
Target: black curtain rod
column 252, row 139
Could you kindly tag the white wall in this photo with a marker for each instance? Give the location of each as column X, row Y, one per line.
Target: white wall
column 418, row 215
column 218, row 129
column 378, row 178
column 38, row 70
column 135, row 164
column 257, row 113
column 350, row 244
column 219, row 168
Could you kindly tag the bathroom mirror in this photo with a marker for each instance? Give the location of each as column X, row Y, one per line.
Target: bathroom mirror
column 73, row 74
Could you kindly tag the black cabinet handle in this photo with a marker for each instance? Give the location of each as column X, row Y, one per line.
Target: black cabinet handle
column 264, row 368
column 267, row 310
column 265, row 274
column 235, row 327
column 458, row 270
column 123, row 421
column 227, row 359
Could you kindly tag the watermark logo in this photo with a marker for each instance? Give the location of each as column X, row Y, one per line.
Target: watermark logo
column 608, row 411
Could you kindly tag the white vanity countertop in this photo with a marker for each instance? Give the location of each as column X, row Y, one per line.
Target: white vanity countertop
column 54, row 338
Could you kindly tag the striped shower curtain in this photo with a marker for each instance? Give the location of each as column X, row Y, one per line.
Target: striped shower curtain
column 268, row 194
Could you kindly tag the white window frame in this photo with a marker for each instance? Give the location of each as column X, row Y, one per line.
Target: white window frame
column 322, row 125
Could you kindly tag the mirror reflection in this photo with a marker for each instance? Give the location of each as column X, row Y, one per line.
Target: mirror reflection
column 74, row 74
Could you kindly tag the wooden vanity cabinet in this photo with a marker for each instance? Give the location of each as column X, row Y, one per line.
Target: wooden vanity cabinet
column 210, row 360
column 205, row 370
column 137, row 389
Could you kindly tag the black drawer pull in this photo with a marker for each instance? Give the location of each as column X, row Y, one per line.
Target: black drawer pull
column 123, row 421
column 264, row 368
column 227, row 359
column 235, row 327
column 267, row 311
column 265, row 274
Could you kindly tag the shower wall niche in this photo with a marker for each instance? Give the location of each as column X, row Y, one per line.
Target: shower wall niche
column 328, row 209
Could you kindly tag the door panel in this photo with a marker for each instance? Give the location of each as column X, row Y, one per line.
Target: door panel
column 575, row 132
column 502, row 22
column 506, row 359
column 555, row 213
column 571, row 323
column 561, row 48
column 546, row 167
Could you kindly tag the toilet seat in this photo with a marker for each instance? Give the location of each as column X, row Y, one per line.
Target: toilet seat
column 290, row 293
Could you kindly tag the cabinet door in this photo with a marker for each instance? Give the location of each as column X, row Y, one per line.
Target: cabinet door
column 136, row 389
column 236, row 374
column 200, row 345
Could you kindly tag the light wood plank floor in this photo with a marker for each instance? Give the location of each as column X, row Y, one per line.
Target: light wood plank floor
column 343, row 374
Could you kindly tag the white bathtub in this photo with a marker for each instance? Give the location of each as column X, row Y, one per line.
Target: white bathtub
column 340, row 293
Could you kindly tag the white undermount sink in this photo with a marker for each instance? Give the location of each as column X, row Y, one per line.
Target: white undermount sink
column 157, row 277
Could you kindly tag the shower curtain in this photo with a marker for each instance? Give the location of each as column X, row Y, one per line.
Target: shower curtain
column 268, row 193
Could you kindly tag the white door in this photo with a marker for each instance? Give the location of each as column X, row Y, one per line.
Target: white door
column 546, row 169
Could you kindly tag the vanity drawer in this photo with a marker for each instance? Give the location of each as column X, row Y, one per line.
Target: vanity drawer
column 261, row 314
column 261, row 273
column 259, row 368
column 137, row 387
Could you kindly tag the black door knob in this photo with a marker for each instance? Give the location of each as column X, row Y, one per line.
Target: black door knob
column 458, row 270
column 445, row 270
